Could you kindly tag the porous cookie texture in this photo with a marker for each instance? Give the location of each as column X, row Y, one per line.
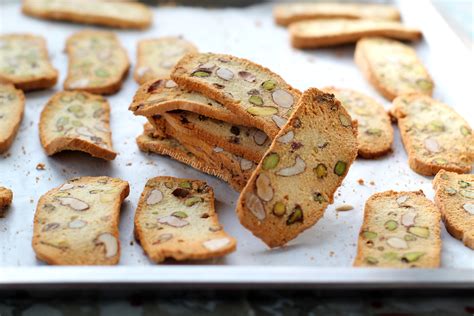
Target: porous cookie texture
column 77, row 223
column 400, row 230
column 434, row 135
column 157, row 57
column 6, row 197
column 455, row 199
column 97, row 62
column 108, row 13
column 330, row 32
column 73, row 120
column 299, row 174
column 375, row 132
column 287, row 13
column 258, row 96
column 12, row 105
column 392, row 67
column 24, row 62
column 175, row 218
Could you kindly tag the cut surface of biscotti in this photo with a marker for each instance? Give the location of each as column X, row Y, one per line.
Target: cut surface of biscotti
column 455, row 199
column 297, row 178
column 6, row 197
column 392, row 67
column 400, row 230
column 77, row 223
column 73, row 120
column 375, row 132
column 258, row 96
column 175, row 218
column 157, row 57
column 97, row 62
column 108, row 13
column 330, row 32
column 434, row 135
column 24, row 62
column 12, row 106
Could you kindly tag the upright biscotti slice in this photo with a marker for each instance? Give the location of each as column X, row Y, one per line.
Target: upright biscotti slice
column 97, row 62
column 434, row 135
column 12, row 106
column 157, row 57
column 304, row 166
column 109, row 13
column 175, row 218
column 330, row 32
column 24, row 62
column 77, row 223
column 258, row 96
column 73, row 120
column 393, row 68
column 375, row 132
column 6, row 197
column 455, row 199
column 400, row 230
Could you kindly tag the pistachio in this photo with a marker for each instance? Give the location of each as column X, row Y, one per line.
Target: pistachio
column 102, row 72
column 259, row 137
column 185, row 185
column 262, row 110
column 216, row 244
column 66, row 186
column 49, row 208
column 436, row 126
column 270, row 161
column 409, row 238
column 256, row 100
column 110, row 243
column 431, row 144
column 318, row 197
column 340, row 168
column 391, row 225
column 321, row 171
column 450, row 191
column 402, row 199
column 408, row 219
column 154, row 197
column 269, row 85
column 297, row 168
column 345, row 121
column 465, row 130
column 50, row 226
column 390, row 255
column 286, row 138
column 247, row 76
column 295, row 216
column 66, row 98
column 371, row 260
column 201, row 73
column 467, row 194
column 397, row 243
column 179, row 214
column 419, row 231
column 193, row 200
column 463, row 184
column 469, row 207
column 253, row 203
column 63, row 120
column 173, row 221
column 245, row 164
column 224, row 74
column 374, row 132
column 264, row 188
column 412, row 256
column 369, row 235
column 424, row 84
column 279, row 209
column 282, row 98
column 73, row 203
column 440, row 161
column 163, row 238
column 279, row 121
column 77, row 224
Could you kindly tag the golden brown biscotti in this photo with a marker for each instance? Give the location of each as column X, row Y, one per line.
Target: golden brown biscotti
column 12, row 106
column 73, row 120
column 97, row 62
column 434, row 135
column 375, row 132
column 331, row 32
column 24, row 62
column 302, row 169
column 77, row 223
column 6, row 197
column 175, row 218
column 392, row 67
column 400, row 230
column 157, row 57
column 258, row 96
column 455, row 199
column 108, row 13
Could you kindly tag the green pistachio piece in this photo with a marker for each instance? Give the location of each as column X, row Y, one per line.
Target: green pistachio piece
column 185, row 185
column 374, row 131
column 63, row 120
column 101, row 72
column 201, row 74
column 318, row 197
column 409, row 238
column 193, row 200
column 256, row 100
column 412, row 256
column 279, row 209
column 371, row 260
column 369, row 235
column 391, row 225
column 179, row 214
column 445, row 176
column 66, row 98
column 424, row 84
column 262, row 110
column 450, row 191
column 467, row 194
column 390, row 256
column 269, row 85
column 76, row 123
column 436, row 126
column 419, row 231
column 340, row 168
column 75, row 109
column 321, row 171
column 440, row 161
column 463, row 184
column 465, row 131
column 270, row 161
column 81, row 97
column 296, row 216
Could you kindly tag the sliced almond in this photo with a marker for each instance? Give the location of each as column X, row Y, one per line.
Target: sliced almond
column 431, row 144
column 225, row 74
column 245, row 164
column 84, row 131
column 402, row 199
column 255, row 205
column 469, row 207
column 247, row 76
column 282, row 98
column 173, row 221
column 279, row 121
column 218, row 149
column 408, row 219
column 77, row 223
column 287, row 138
column 73, row 203
column 170, row 84
column 154, row 197
column 264, row 187
column 397, row 243
column 297, row 168
column 81, row 83
column 162, row 238
column 216, row 244
column 260, row 137
column 110, row 243
column 66, row 186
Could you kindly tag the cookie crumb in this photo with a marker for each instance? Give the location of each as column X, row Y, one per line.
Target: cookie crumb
column 128, row 164
column 344, row 207
column 360, row 181
column 40, row 166
column 372, row 183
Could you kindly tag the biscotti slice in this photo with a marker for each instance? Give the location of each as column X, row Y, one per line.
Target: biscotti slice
column 455, row 199
column 175, row 218
column 73, row 120
column 304, row 166
column 12, row 106
column 77, row 223
column 6, row 197
column 434, row 135
column 331, row 32
column 400, row 230
column 24, row 62
column 97, row 62
column 258, row 96
column 375, row 132
column 287, row 13
column 124, row 14
column 393, row 68
column 157, row 57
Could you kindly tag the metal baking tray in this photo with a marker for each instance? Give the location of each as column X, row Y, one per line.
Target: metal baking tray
column 322, row 256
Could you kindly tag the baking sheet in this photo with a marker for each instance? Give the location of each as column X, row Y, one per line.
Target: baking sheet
column 249, row 33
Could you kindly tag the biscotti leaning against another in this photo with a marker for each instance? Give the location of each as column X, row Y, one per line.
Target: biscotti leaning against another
column 175, row 218
column 400, row 230
column 330, row 32
column 393, row 68
column 6, row 197
column 97, row 62
column 375, row 132
column 107, row 13
column 77, row 223
column 304, row 166
column 73, row 120
column 24, row 62
column 455, row 199
column 12, row 106
column 434, row 135
column 157, row 57
column 261, row 98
